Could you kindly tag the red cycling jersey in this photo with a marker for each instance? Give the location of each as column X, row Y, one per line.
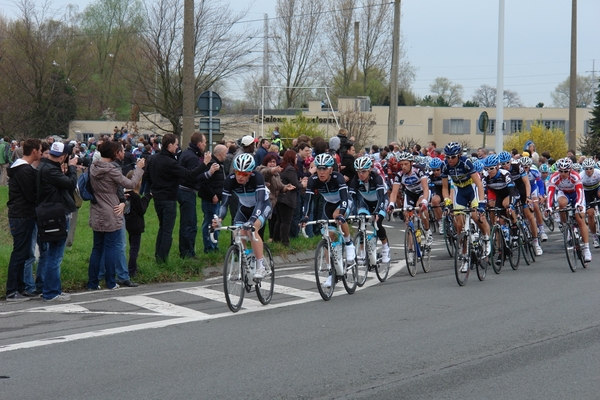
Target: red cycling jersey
column 569, row 184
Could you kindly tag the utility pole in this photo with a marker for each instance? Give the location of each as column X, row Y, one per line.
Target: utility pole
column 393, row 114
column 499, row 127
column 573, row 79
column 356, row 42
column 189, row 80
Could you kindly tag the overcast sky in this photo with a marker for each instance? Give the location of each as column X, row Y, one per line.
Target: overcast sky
column 458, row 39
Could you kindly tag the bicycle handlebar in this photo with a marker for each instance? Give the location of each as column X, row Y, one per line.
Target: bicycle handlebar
column 319, row 221
column 233, row 228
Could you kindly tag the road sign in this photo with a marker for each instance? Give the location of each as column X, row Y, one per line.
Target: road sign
column 483, row 121
column 207, row 124
column 209, row 101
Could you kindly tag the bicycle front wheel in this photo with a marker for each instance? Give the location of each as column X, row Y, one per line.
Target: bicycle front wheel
column 425, row 257
column 481, row 263
column 497, row 256
column 324, row 270
column 570, row 247
column 264, row 288
column 350, row 277
column 233, row 278
column 462, row 244
column 362, row 259
column 526, row 240
column 410, row 251
column 382, row 270
column 514, row 252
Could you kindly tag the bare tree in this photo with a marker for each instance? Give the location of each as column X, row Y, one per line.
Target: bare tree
column 221, row 52
column 584, row 88
column 486, row 97
column 450, row 92
column 340, row 43
column 376, row 37
column 360, row 126
column 297, row 31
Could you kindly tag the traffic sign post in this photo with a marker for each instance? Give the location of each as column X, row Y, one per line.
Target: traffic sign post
column 483, row 124
column 209, row 104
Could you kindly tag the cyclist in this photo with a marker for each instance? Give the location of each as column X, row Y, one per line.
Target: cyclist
column 501, row 191
column 254, row 208
column 370, row 195
column 591, row 189
column 468, row 192
column 415, row 184
column 332, row 186
column 538, row 188
column 435, row 187
column 566, row 185
column 524, row 188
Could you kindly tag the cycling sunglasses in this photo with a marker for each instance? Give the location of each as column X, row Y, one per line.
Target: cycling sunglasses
column 490, row 168
column 242, row 173
column 452, row 157
column 322, row 168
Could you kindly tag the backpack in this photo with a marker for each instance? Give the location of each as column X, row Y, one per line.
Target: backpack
column 84, row 186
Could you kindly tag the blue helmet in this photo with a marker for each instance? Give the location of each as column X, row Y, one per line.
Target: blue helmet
column 435, row 163
column 504, row 157
column 324, row 160
column 478, row 166
column 244, row 162
column 491, row 161
column 363, row 163
column 544, row 168
column 453, row 149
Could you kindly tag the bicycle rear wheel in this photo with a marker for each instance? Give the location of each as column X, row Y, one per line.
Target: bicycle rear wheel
column 410, row 253
column 497, row 244
column 233, row 278
column 462, row 243
column 449, row 237
column 350, row 277
column 525, row 242
column 425, row 257
column 264, row 288
column 362, row 258
column 570, row 248
column 481, row 262
column 382, row 270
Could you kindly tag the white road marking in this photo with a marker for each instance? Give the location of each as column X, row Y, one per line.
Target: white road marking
column 181, row 315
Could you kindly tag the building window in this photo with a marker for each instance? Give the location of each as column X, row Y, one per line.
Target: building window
column 457, row 126
column 491, row 126
column 516, row 125
column 430, row 126
column 553, row 124
column 87, row 136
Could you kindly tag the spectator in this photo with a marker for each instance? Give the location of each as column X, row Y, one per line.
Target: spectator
column 55, row 187
column 276, row 138
column 106, row 216
column 21, row 218
column 530, row 148
column 211, row 192
column 229, row 158
column 482, row 153
column 304, row 170
column 261, row 152
column 344, row 141
column 164, row 174
column 186, row 195
column 4, row 160
column 135, row 224
column 270, row 172
column 287, row 200
column 347, row 164
column 128, row 159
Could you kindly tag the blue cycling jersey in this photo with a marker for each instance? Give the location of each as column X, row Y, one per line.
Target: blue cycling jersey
column 373, row 191
column 461, row 173
column 334, row 191
column 253, row 194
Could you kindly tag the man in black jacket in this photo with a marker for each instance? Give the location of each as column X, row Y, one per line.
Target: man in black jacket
column 57, row 185
column 22, row 202
column 210, row 192
column 186, row 195
column 164, row 174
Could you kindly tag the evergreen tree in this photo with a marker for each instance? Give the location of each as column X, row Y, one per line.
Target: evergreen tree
column 590, row 144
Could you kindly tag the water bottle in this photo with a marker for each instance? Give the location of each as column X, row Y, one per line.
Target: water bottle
column 506, row 233
column 475, row 237
column 418, row 235
column 339, row 262
column 372, row 249
column 251, row 259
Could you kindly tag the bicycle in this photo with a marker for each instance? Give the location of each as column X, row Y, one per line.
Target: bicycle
column 368, row 258
column 548, row 221
column 526, row 237
column 503, row 244
column 332, row 253
column 239, row 269
column 468, row 239
column 414, row 248
column 572, row 239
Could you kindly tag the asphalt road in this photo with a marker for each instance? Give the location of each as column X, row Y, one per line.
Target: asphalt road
column 533, row 333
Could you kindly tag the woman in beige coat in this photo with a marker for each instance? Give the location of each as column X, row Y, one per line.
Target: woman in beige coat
column 106, row 216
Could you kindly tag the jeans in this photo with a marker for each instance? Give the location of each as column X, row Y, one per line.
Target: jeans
column 51, row 256
column 281, row 231
column 121, row 268
column 188, row 223
column 30, row 285
column 298, row 215
column 21, row 230
column 209, row 210
column 166, row 211
column 106, row 246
